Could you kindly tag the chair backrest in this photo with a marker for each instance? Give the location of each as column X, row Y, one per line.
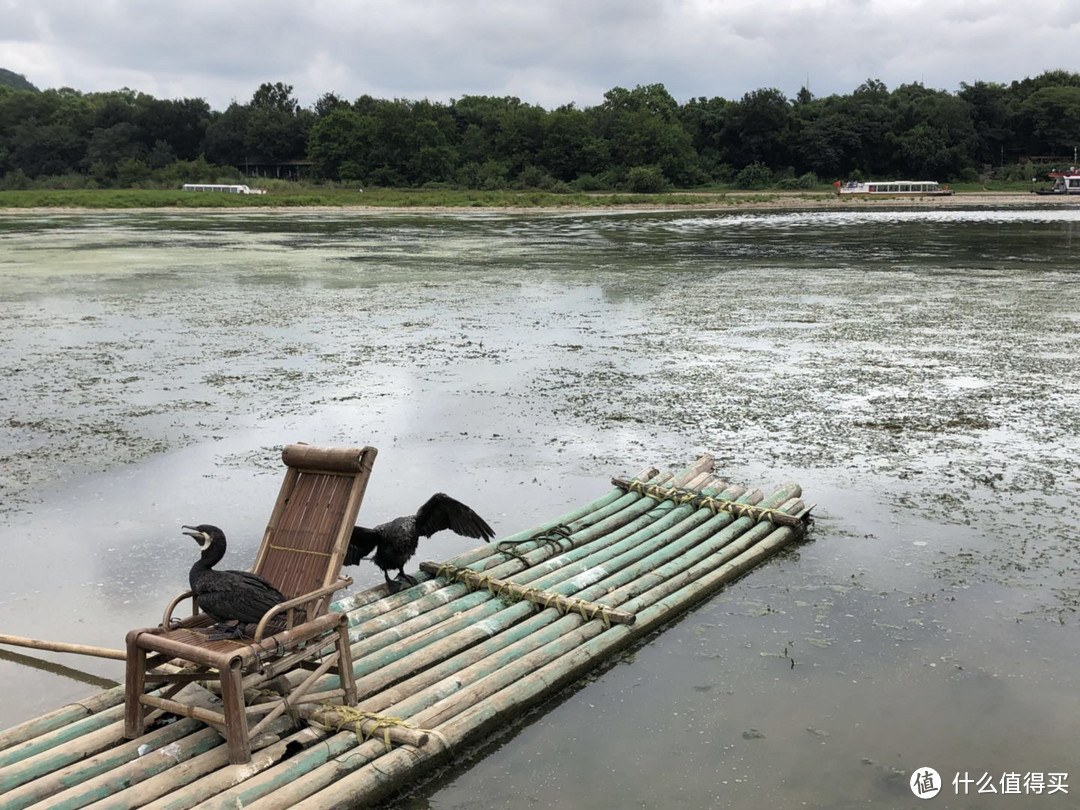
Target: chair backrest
column 309, row 530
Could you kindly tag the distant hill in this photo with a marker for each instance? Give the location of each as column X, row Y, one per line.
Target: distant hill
column 15, row 80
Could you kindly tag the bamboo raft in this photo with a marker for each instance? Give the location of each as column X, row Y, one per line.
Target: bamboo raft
column 438, row 666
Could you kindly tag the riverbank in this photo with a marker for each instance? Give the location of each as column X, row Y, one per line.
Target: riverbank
column 546, row 203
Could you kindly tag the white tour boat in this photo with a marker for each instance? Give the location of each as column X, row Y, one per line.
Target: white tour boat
column 893, row 188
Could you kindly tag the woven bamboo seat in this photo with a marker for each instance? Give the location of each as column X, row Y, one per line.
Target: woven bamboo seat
column 301, row 555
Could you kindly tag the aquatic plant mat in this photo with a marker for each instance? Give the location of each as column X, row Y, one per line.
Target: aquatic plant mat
column 439, row 666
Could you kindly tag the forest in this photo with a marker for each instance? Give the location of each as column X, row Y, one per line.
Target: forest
column 638, row 140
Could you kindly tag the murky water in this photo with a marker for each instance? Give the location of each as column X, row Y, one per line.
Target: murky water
column 916, row 372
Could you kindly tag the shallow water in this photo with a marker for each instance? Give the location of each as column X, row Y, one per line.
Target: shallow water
column 915, row 371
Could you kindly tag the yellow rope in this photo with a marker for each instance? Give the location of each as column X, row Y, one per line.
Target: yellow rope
column 351, row 715
column 509, row 590
column 714, row 505
column 300, row 550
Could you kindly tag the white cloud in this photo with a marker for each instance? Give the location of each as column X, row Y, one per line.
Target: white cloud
column 546, row 52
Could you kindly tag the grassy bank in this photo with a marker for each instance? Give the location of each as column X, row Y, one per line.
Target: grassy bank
column 308, row 196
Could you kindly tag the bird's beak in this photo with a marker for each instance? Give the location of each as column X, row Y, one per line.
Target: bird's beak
column 202, row 538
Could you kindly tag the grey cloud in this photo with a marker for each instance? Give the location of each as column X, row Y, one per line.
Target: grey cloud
column 548, row 53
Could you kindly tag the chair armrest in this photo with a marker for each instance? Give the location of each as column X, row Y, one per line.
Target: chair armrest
column 282, row 607
column 167, row 618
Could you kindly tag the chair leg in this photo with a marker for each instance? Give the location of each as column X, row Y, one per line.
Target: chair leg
column 345, row 664
column 236, row 730
column 134, row 684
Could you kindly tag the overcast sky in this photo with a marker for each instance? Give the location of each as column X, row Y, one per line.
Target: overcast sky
column 546, row 52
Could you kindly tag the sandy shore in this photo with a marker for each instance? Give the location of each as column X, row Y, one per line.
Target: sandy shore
column 722, row 202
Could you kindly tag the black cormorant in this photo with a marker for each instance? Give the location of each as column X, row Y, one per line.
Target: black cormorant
column 395, row 541
column 227, row 596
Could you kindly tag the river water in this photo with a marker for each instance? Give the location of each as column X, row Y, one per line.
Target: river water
column 916, row 371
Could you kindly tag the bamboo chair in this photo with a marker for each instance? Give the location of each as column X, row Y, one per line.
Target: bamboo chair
column 301, row 554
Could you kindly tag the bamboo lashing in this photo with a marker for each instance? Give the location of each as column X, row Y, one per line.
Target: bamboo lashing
column 504, row 589
column 698, row 500
column 368, row 724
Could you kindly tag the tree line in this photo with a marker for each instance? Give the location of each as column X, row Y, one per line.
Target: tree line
column 639, row 140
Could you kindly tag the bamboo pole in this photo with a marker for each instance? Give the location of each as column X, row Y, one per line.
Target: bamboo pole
column 368, row 620
column 385, row 653
column 561, row 637
column 190, row 767
column 36, row 782
column 433, row 594
column 124, row 774
column 59, row 718
column 503, row 588
column 368, row 783
column 511, row 667
column 75, row 729
column 63, row 646
column 374, row 662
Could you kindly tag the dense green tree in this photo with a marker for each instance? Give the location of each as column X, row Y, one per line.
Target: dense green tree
column 758, row 129
column 1054, row 113
column 635, row 138
column 990, row 108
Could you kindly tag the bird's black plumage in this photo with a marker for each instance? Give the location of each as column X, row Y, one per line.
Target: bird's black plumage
column 395, row 541
column 227, row 595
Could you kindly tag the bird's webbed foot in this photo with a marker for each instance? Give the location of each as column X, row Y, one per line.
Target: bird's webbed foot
column 403, row 576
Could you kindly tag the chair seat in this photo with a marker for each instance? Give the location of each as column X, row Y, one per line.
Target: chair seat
column 195, row 645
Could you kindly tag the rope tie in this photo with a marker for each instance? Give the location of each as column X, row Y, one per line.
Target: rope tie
column 698, row 500
column 350, row 715
column 518, row 593
column 552, row 538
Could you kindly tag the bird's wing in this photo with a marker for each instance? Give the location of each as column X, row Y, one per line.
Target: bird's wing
column 240, row 595
column 443, row 512
column 362, row 543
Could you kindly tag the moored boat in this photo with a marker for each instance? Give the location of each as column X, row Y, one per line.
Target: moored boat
column 1064, row 182
column 892, row 188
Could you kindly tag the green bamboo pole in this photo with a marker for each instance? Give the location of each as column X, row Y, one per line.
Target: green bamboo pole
column 370, row 782
column 630, row 505
column 123, row 768
column 353, row 602
column 81, row 759
column 431, row 594
column 192, row 766
column 386, row 664
column 58, row 718
column 511, row 667
column 376, row 653
column 48, row 740
column 589, row 512
column 485, row 620
column 586, row 569
column 369, row 621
